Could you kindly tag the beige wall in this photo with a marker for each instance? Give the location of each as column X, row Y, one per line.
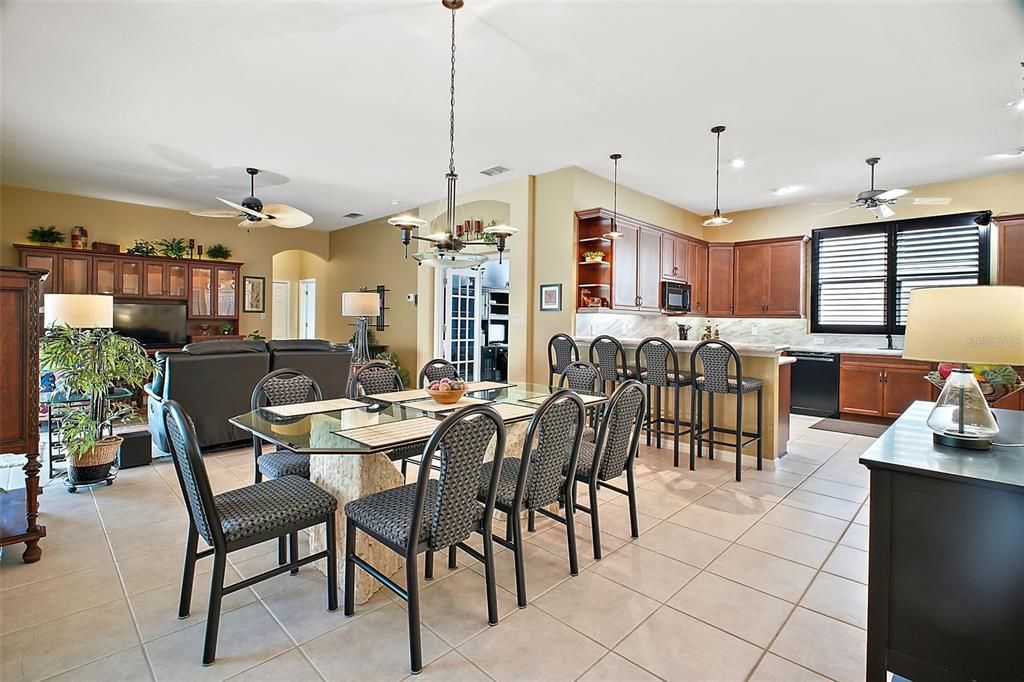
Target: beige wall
column 287, row 267
column 113, row 221
column 294, row 266
column 1003, row 193
column 364, row 256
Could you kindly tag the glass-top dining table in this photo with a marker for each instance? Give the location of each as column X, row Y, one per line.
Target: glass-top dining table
column 348, row 442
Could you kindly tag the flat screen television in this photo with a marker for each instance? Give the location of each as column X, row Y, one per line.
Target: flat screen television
column 154, row 325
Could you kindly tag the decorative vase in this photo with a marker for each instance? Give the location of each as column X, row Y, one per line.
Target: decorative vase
column 79, row 238
column 94, row 465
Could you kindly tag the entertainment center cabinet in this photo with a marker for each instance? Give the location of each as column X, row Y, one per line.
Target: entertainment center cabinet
column 209, row 289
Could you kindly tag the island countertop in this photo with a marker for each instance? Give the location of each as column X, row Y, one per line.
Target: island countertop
column 763, row 350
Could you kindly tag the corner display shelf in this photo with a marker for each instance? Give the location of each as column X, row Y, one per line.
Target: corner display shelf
column 595, row 278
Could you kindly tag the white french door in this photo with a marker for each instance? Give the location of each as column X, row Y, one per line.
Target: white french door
column 460, row 323
column 307, row 308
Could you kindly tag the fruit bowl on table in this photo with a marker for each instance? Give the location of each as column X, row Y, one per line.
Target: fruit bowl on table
column 996, row 381
column 447, row 392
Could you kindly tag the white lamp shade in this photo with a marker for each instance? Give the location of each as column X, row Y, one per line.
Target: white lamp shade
column 81, row 311
column 360, row 303
column 972, row 325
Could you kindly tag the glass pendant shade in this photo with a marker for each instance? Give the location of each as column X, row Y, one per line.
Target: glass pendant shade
column 961, row 416
column 717, row 220
column 443, row 260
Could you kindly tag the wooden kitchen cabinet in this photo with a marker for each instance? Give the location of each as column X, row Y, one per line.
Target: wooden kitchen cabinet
column 880, row 385
column 1011, row 249
column 720, row 280
column 768, row 276
column 676, row 258
column 624, row 283
column 129, row 278
column 750, row 271
column 698, row 278
column 43, row 261
column 75, row 275
column 647, row 271
column 104, row 276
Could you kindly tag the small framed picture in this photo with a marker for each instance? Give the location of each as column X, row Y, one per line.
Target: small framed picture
column 551, row 296
column 254, row 294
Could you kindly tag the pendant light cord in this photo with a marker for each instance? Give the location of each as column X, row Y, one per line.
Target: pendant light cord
column 615, row 197
column 451, row 158
column 718, row 167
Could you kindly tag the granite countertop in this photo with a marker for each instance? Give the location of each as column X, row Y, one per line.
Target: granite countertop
column 785, row 360
column 896, row 352
column 748, row 349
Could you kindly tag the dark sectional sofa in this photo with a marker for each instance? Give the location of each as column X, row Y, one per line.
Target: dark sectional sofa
column 213, row 380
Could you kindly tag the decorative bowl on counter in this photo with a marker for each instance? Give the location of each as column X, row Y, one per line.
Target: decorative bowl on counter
column 996, row 381
column 447, row 391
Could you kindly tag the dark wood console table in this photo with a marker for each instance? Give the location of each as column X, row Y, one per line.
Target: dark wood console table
column 946, row 566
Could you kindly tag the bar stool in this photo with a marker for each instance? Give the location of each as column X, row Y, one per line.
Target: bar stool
column 715, row 356
column 608, row 355
column 561, row 351
column 660, row 370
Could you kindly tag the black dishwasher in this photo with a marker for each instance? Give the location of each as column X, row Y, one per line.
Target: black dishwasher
column 815, row 383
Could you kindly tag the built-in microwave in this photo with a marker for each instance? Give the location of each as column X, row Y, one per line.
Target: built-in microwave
column 675, row 297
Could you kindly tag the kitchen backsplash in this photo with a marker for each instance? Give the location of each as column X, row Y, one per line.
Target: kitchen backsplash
column 793, row 332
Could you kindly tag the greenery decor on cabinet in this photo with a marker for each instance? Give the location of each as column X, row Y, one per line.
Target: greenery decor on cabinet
column 226, row 329
column 142, row 247
column 173, row 248
column 89, row 363
column 46, row 235
column 218, row 252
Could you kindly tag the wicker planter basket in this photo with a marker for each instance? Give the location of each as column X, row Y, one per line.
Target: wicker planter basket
column 94, row 465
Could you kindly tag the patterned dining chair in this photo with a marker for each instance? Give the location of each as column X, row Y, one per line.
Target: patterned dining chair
column 433, row 514
column 561, row 351
column 618, row 440
column 374, row 377
column 657, row 367
column 607, row 353
column 435, row 370
column 241, row 518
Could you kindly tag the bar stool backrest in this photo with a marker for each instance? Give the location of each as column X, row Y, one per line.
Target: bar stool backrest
column 715, row 356
column 659, row 359
column 375, row 377
column 608, row 354
column 460, row 445
column 435, row 370
column 557, row 427
column 619, row 436
column 285, row 386
column 191, row 471
column 581, row 376
column 561, row 351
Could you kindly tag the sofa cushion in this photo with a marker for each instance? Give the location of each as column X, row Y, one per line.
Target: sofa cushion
column 298, row 344
column 222, row 346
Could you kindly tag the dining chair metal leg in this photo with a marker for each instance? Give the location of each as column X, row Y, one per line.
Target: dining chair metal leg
column 760, row 429
column 659, row 425
column 428, row 565
column 570, row 533
column 531, row 521
column 332, row 564
column 412, row 588
column 188, row 575
column 515, row 525
column 634, row 522
column 453, row 558
column 700, row 424
column 213, row 612
column 675, row 417
column 350, row 567
column 489, row 575
column 739, row 431
column 694, row 428
column 711, row 425
column 293, row 546
column 595, row 524
column 282, row 551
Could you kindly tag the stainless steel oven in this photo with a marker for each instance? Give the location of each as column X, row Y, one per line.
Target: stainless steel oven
column 675, row 297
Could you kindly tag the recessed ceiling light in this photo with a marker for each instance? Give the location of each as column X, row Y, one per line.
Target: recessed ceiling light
column 1015, row 154
column 395, row 202
column 738, row 163
column 787, row 189
column 1017, row 104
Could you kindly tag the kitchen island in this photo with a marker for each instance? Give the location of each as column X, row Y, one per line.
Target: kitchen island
column 761, row 361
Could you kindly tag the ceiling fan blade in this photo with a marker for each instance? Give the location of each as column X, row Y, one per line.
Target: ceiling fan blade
column 281, row 215
column 932, row 201
column 249, row 224
column 216, row 213
column 838, row 210
column 243, row 209
column 891, row 194
column 883, row 211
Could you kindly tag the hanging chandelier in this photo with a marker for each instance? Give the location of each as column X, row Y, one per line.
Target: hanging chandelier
column 614, row 232
column 448, row 246
column 717, row 220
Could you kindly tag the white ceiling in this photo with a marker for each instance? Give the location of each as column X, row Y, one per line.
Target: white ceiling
column 164, row 103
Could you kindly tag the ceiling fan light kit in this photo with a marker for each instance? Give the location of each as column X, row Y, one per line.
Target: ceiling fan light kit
column 717, row 219
column 255, row 214
column 447, row 247
column 881, row 201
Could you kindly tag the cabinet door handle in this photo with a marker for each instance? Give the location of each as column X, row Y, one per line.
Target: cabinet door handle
column 640, row 300
column 881, row 377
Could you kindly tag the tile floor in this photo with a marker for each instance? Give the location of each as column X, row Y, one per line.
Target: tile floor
column 759, row 580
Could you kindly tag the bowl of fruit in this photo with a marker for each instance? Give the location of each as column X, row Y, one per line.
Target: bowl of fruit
column 447, row 391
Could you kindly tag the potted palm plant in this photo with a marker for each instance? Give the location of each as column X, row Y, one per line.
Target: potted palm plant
column 89, row 363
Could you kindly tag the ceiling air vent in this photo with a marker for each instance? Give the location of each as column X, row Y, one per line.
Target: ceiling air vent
column 494, row 170
column 353, row 215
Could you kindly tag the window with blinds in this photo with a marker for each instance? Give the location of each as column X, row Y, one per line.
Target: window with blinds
column 862, row 275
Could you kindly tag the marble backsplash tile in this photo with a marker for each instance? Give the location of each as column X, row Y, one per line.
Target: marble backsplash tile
column 794, row 332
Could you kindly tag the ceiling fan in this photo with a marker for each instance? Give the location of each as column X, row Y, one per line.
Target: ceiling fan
column 255, row 214
column 880, row 201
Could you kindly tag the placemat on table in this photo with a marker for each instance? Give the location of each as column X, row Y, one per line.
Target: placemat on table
column 313, row 407
column 587, row 399
column 486, row 385
column 400, row 396
column 432, row 407
column 391, row 434
column 510, row 411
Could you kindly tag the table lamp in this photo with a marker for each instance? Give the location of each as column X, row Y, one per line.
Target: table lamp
column 966, row 325
column 362, row 305
column 81, row 311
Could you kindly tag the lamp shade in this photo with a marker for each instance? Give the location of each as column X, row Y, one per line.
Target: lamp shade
column 360, row 303
column 972, row 325
column 81, row 311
